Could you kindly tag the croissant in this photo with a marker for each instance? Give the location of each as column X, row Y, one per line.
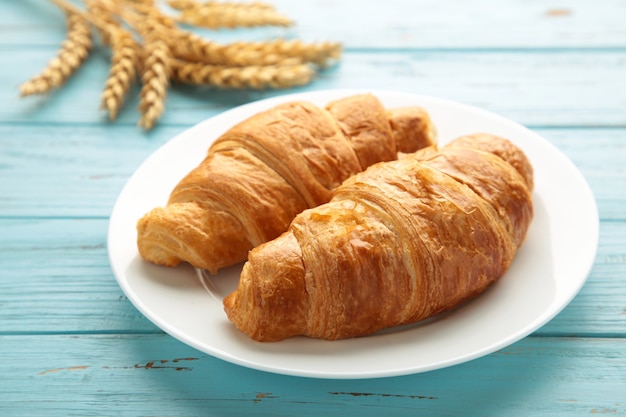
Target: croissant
column 262, row 172
column 399, row 242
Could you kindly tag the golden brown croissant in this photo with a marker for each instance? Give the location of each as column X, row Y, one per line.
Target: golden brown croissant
column 399, row 242
column 262, row 172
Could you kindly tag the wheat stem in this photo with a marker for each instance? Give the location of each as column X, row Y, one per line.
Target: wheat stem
column 108, row 22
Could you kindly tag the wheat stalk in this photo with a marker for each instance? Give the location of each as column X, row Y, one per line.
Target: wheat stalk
column 123, row 72
column 139, row 2
column 124, row 56
column 155, row 79
column 146, row 14
column 216, row 15
column 181, row 4
column 189, row 4
column 320, row 53
column 144, row 39
column 73, row 52
column 108, row 22
column 191, row 47
column 253, row 76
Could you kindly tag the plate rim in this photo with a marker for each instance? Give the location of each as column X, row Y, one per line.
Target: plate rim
column 316, row 95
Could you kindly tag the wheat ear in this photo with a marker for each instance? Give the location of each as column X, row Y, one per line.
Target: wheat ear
column 191, row 47
column 139, row 2
column 155, row 79
column 189, row 4
column 216, row 15
column 124, row 56
column 181, row 4
column 146, row 15
column 123, row 72
column 253, row 76
column 74, row 51
column 319, row 53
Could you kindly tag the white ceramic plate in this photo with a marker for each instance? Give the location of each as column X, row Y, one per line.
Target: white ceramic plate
column 547, row 272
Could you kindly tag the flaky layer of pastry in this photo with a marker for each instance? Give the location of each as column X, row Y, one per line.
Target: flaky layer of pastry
column 398, row 243
column 265, row 170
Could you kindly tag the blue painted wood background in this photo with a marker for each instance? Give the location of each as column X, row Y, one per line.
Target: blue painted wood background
column 72, row 344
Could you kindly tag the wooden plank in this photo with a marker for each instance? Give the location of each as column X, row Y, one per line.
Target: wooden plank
column 56, row 279
column 156, row 375
column 600, row 155
column 70, row 170
column 461, row 24
column 81, row 169
column 392, row 24
column 584, row 90
column 72, row 344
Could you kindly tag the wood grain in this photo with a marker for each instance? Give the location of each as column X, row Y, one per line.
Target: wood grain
column 56, row 279
column 71, row 343
column 584, row 90
column 395, row 24
column 86, row 166
column 155, row 375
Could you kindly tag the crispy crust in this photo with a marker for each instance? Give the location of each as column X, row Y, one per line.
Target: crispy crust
column 264, row 171
column 398, row 243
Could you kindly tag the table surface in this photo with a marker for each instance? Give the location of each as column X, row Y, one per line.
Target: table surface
column 71, row 343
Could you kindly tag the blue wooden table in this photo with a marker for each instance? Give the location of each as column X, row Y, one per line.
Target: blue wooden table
column 72, row 344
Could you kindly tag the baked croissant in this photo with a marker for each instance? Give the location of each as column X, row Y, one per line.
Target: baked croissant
column 399, row 242
column 262, row 172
